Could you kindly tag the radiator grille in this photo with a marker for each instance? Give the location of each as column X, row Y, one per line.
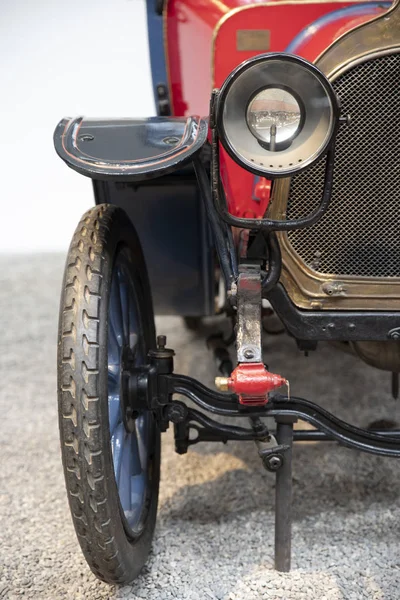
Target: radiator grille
column 360, row 233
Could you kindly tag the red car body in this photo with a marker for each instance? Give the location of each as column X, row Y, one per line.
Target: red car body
column 205, row 40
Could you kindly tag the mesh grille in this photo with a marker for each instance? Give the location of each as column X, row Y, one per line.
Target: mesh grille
column 359, row 235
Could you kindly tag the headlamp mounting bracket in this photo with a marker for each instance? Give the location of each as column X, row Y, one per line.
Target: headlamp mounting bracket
column 266, row 224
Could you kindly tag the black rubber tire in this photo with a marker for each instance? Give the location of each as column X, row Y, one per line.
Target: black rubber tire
column 100, row 525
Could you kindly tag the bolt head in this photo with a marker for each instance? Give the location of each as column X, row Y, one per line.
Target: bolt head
column 394, row 334
column 176, row 413
column 248, row 353
column 161, row 341
column 171, row 140
column 86, row 137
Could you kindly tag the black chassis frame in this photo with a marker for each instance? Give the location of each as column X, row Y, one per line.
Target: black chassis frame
column 154, row 385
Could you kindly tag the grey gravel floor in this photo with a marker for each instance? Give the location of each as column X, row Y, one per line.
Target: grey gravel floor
column 215, row 528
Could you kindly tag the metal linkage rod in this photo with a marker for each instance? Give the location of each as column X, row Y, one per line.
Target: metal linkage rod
column 228, row 431
column 313, row 435
column 222, row 233
column 219, row 346
column 215, row 402
column 344, row 433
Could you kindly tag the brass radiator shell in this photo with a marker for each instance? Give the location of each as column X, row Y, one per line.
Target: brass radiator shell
column 350, row 260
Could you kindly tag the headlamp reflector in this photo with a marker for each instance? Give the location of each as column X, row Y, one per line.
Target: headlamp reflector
column 274, row 116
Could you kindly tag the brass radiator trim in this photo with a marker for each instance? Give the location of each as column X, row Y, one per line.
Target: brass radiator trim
column 306, row 287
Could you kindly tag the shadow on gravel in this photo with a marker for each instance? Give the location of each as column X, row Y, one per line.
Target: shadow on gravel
column 326, row 477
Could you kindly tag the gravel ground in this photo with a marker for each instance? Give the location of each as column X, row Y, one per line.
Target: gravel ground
column 214, row 538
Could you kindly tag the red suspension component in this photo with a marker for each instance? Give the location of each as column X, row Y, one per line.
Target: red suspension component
column 252, row 383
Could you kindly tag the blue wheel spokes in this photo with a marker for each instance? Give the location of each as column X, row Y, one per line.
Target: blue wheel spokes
column 131, row 482
column 113, row 377
column 138, row 497
column 136, row 466
column 134, row 331
column 142, row 439
column 114, row 350
column 124, row 478
column 115, row 312
column 124, row 300
column 114, row 412
column 130, row 449
column 117, row 444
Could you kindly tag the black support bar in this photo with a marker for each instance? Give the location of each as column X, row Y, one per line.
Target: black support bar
column 314, row 435
column 329, row 325
column 227, row 405
column 283, row 497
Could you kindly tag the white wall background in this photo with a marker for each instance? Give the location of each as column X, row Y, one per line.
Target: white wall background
column 61, row 58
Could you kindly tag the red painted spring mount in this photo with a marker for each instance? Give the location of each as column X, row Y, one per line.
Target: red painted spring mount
column 252, row 383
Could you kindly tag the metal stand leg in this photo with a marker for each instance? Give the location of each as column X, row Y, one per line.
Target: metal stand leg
column 283, row 497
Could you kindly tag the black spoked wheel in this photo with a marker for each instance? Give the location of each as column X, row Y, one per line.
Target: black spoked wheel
column 110, row 447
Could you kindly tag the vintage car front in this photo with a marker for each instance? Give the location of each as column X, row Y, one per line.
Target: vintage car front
column 281, row 197
column 348, row 261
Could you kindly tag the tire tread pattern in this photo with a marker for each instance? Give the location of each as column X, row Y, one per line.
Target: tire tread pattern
column 79, row 402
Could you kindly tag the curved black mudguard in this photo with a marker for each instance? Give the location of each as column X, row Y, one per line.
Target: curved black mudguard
column 129, row 149
column 138, row 164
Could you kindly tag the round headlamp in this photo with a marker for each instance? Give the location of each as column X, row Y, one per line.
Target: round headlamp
column 277, row 114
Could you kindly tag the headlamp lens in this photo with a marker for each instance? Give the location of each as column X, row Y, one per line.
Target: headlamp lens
column 274, row 116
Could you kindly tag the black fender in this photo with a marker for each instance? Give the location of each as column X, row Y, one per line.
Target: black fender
column 129, row 149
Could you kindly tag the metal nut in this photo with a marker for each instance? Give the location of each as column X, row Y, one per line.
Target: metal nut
column 273, row 462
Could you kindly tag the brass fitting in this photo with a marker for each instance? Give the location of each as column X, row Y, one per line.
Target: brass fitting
column 222, row 384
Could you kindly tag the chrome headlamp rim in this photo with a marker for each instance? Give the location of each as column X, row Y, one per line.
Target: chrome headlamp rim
column 231, row 80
